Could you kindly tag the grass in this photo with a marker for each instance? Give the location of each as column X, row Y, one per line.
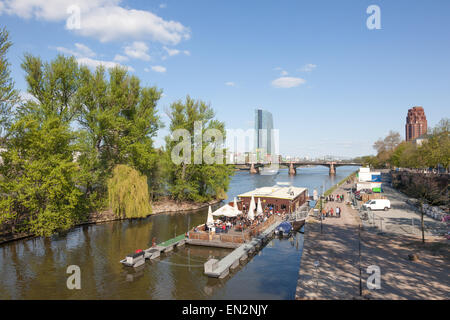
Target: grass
column 333, row 188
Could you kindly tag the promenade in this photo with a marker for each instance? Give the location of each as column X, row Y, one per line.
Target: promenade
column 332, row 260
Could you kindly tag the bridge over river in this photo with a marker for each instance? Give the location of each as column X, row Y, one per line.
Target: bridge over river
column 254, row 167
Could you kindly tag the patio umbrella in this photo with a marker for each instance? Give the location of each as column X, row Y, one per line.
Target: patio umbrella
column 251, row 209
column 235, row 204
column 227, row 211
column 259, row 210
column 210, row 219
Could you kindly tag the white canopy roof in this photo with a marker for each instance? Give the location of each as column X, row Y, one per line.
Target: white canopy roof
column 227, row 211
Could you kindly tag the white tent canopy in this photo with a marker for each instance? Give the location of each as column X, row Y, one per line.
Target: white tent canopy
column 227, row 211
column 210, row 219
column 251, row 209
column 259, row 210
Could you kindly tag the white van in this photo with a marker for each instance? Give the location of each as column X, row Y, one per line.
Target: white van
column 377, row 204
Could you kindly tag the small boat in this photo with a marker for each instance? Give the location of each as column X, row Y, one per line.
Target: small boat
column 284, row 229
column 268, row 171
column 135, row 259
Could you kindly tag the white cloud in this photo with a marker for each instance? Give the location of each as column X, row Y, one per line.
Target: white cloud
column 104, row 20
column 163, row 5
column 159, row 69
column 230, row 84
column 287, row 82
column 84, row 50
column 93, row 63
column 171, row 52
column 308, row 67
column 84, row 57
column 80, row 50
column 120, row 58
column 284, row 73
column 174, row 52
column 138, row 50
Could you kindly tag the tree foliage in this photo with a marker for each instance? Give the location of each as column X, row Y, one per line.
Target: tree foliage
column 8, row 95
column 128, row 193
column 188, row 180
column 85, row 142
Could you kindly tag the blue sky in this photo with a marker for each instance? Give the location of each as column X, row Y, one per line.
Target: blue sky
column 342, row 85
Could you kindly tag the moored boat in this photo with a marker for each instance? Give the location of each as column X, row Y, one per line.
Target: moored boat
column 134, row 259
column 284, row 229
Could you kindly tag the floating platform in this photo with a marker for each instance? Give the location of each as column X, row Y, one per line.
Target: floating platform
column 138, row 259
column 221, row 268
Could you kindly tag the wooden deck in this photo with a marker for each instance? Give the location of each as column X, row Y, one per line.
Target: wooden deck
column 220, row 269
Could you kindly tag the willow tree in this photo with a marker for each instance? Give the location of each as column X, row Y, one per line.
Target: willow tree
column 128, row 193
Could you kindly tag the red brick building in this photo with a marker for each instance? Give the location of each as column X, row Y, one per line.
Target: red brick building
column 416, row 123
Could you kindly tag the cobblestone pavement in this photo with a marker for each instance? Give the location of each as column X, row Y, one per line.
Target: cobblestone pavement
column 335, row 261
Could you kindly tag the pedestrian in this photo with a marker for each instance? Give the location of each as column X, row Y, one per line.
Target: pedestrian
column 331, row 212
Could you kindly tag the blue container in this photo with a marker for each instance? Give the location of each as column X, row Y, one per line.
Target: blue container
column 376, row 178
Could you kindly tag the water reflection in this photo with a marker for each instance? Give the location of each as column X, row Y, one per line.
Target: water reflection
column 36, row 268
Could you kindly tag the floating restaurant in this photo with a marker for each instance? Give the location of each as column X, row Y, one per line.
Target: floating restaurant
column 280, row 199
column 239, row 221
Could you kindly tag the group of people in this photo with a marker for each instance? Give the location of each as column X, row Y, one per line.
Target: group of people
column 330, row 212
column 337, row 198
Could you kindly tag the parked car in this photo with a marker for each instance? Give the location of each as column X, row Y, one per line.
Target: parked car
column 377, row 204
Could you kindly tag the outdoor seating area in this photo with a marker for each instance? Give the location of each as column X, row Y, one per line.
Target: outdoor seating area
column 229, row 224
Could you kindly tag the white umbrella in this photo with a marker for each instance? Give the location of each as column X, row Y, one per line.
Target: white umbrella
column 210, row 219
column 259, row 210
column 251, row 209
column 227, row 211
column 235, row 204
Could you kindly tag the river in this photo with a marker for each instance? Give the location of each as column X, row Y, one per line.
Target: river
column 36, row 268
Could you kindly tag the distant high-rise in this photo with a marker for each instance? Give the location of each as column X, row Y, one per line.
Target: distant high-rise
column 263, row 131
column 416, row 123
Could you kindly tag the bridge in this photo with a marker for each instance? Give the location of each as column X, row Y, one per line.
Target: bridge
column 254, row 167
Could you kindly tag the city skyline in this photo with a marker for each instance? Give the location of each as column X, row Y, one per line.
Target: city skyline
column 323, row 83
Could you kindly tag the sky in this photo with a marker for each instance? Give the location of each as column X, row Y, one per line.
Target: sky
column 333, row 85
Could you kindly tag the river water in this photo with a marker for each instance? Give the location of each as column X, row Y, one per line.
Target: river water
column 36, row 268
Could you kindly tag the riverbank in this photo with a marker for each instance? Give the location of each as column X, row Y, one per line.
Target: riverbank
column 336, row 257
column 163, row 206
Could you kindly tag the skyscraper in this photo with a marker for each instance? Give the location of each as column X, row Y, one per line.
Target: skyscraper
column 263, row 132
column 416, row 123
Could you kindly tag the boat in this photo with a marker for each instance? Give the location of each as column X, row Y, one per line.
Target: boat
column 268, row 171
column 134, row 259
column 284, row 229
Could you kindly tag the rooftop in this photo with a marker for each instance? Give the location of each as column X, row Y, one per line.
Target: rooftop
column 275, row 192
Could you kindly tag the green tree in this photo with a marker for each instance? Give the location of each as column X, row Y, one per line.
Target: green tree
column 202, row 181
column 128, row 193
column 8, row 95
column 119, row 122
column 39, row 193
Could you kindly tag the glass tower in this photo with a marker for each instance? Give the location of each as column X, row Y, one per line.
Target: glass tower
column 263, row 132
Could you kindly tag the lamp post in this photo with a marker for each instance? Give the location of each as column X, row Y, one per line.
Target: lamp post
column 320, row 209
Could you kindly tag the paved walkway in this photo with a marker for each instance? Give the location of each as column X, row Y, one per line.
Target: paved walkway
column 336, row 251
column 337, row 275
